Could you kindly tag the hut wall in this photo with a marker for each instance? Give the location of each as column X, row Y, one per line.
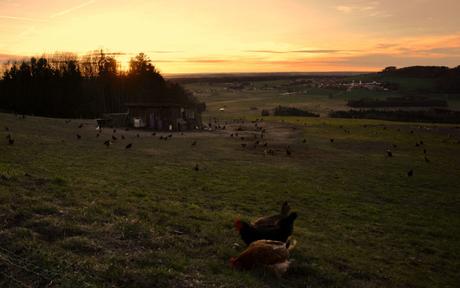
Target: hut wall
column 164, row 118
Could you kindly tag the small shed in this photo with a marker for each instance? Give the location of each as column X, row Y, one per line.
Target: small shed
column 113, row 120
column 165, row 116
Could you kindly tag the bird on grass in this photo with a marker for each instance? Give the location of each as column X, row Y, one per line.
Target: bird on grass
column 389, row 153
column 427, row 160
column 269, row 254
column 410, row 173
column 114, row 138
column 332, row 140
column 81, row 125
column 196, row 168
column 304, row 140
column 279, row 232
column 122, row 137
column 288, row 151
column 78, row 136
column 114, row 130
column 129, row 146
column 194, row 143
column 154, row 134
column 97, row 135
column 424, row 151
column 10, row 141
column 107, row 143
column 7, row 129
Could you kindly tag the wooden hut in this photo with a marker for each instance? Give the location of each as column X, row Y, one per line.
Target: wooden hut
column 165, row 116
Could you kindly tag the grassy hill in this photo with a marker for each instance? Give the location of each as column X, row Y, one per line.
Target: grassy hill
column 75, row 212
column 259, row 95
column 265, row 95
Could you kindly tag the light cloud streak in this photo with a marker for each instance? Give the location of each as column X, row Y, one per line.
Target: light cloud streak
column 365, row 8
column 27, row 19
column 306, row 51
column 67, row 11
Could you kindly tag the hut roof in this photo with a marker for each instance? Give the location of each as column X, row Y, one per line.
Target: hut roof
column 156, row 104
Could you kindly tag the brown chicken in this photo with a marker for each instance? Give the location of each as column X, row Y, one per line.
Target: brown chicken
column 274, row 219
column 270, row 254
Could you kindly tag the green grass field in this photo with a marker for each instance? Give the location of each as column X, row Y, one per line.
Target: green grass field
column 269, row 94
column 76, row 213
column 239, row 103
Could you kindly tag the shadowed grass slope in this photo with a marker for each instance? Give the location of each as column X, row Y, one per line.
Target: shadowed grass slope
column 75, row 211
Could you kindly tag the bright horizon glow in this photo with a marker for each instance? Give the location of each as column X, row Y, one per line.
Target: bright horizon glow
column 208, row 36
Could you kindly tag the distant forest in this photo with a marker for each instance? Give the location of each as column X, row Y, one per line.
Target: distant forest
column 447, row 79
column 65, row 85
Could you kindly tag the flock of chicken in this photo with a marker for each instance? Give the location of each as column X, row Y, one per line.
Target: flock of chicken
column 269, row 242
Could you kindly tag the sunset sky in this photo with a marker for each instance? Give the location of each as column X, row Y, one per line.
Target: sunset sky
column 190, row 36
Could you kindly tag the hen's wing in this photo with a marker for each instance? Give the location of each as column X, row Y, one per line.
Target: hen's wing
column 264, row 252
column 269, row 221
column 272, row 221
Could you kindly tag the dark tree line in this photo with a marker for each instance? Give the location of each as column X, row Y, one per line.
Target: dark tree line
column 292, row 111
column 64, row 85
column 405, row 101
column 435, row 115
column 446, row 79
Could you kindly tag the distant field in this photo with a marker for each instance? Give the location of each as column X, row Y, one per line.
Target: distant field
column 269, row 94
column 238, row 103
column 76, row 213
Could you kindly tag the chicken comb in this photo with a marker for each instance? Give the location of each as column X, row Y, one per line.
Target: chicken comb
column 232, row 261
column 237, row 224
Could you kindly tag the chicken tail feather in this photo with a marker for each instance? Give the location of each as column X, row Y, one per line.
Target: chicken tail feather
column 290, row 244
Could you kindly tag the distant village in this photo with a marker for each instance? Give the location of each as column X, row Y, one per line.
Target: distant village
column 303, row 85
